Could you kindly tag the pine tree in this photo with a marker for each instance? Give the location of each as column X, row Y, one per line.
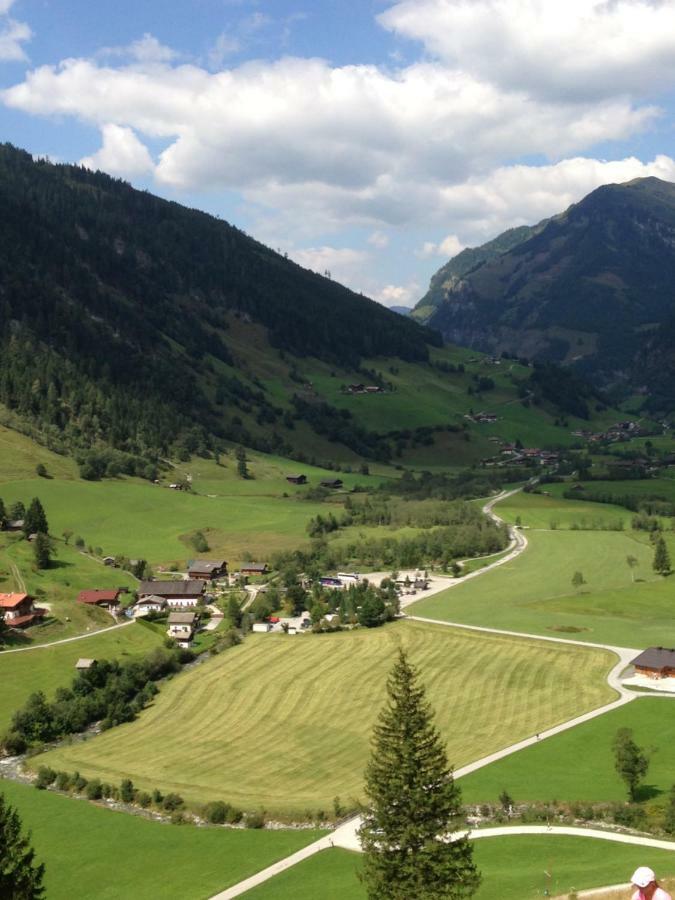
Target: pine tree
column 413, row 802
column 20, row 877
column 42, row 549
column 35, row 520
column 661, row 562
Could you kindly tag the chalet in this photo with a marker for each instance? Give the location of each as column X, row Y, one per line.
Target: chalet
column 655, row 662
column 207, row 569
column 150, row 604
column 182, row 627
column 296, row 479
column 19, row 610
column 374, row 389
column 106, row 599
column 14, row 525
column 253, row 568
column 334, row 483
column 83, row 664
column 356, row 388
column 178, row 594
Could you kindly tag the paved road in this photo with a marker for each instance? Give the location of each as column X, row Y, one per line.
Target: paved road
column 78, row 637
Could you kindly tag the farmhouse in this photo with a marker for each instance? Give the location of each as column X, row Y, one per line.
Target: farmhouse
column 19, row 610
column 151, row 604
column 14, row 525
column 254, row 568
column 106, row 599
column 331, row 483
column 178, row 594
column 296, row 479
column 182, row 627
column 655, row 662
column 207, row 569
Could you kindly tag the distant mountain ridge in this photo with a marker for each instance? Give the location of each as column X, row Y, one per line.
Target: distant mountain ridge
column 593, row 287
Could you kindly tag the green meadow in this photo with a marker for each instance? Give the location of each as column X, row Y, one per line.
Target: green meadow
column 579, row 764
column 534, row 592
column 46, row 669
column 93, row 852
column 518, row 867
column 548, row 510
column 284, row 723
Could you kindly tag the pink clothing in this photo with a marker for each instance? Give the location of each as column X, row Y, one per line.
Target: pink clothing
column 659, row 894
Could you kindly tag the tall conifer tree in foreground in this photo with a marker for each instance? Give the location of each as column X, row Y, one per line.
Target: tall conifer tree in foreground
column 413, row 803
column 20, row 877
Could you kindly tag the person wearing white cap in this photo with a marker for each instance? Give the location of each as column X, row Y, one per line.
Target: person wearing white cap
column 644, row 880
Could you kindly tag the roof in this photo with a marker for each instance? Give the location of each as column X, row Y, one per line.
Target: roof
column 206, row 565
column 253, row 567
column 84, row 663
column 655, row 658
column 108, row 595
column 182, row 618
column 18, row 621
column 171, row 588
column 12, row 601
column 152, row 598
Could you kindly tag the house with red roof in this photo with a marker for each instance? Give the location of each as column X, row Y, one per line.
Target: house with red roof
column 19, row 610
column 105, row 599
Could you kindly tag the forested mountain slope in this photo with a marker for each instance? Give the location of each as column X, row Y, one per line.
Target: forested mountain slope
column 593, row 287
column 116, row 309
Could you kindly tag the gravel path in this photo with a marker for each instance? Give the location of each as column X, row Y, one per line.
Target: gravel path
column 78, row 637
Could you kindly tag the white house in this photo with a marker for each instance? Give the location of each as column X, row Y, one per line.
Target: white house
column 182, row 627
column 150, row 604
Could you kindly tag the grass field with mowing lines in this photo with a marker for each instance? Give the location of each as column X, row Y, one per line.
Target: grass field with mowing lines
column 99, row 854
column 513, row 868
column 579, row 764
column 285, row 722
column 47, row 669
column 542, row 511
column 534, row 592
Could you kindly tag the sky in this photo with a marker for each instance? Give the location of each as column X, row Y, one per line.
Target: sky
column 371, row 139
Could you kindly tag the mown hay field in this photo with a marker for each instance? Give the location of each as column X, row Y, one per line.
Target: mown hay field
column 284, row 723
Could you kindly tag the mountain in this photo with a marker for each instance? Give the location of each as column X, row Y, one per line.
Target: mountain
column 592, row 287
column 133, row 322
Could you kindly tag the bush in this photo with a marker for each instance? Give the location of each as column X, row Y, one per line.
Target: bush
column 79, row 782
column 157, row 797
column 14, row 744
column 172, row 802
column 144, row 799
column 94, row 790
column 63, row 781
column 216, row 812
column 234, row 816
column 127, row 792
column 45, row 777
column 255, row 820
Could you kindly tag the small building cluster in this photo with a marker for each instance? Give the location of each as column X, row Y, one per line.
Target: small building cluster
column 363, row 389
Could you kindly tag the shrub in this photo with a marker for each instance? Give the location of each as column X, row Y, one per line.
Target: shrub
column 79, row 782
column 157, row 797
column 172, row 802
column 144, row 799
column 127, row 792
column 216, row 812
column 94, row 789
column 45, row 777
column 14, row 744
column 234, row 816
column 63, row 781
column 255, row 820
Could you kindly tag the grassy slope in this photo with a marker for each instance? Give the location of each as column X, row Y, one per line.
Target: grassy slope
column 49, row 668
column 534, row 592
column 19, row 456
column 285, row 722
column 579, row 764
column 103, row 855
column 513, row 868
column 58, row 587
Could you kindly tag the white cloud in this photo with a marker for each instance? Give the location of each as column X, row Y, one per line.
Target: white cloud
column 13, row 35
column 146, row 50
column 224, row 46
column 523, row 195
column 121, row 154
column 379, row 240
column 554, row 48
column 447, row 248
column 399, row 294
